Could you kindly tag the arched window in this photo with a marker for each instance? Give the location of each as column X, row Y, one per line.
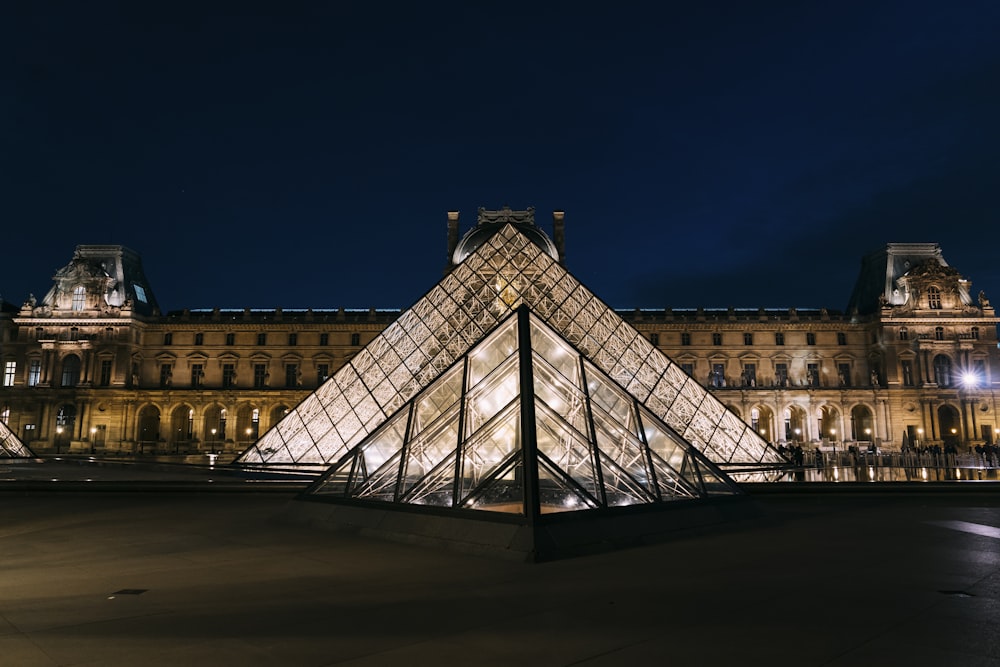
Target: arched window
column 942, row 371
column 934, row 297
column 938, row 333
column 71, row 371
column 79, row 297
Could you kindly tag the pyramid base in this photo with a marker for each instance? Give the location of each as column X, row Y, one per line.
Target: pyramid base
column 512, row 537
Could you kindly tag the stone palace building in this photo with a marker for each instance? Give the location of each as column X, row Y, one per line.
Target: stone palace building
column 96, row 366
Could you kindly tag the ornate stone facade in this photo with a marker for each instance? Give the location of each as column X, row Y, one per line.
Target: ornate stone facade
column 97, row 367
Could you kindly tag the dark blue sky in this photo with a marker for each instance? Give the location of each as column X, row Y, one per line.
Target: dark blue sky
column 304, row 154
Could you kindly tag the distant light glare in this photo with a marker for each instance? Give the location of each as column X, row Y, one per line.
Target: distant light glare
column 970, row 379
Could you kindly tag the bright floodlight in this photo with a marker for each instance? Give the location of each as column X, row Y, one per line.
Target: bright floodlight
column 969, row 379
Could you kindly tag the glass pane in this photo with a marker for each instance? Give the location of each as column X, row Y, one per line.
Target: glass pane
column 619, row 487
column 492, row 352
column 428, row 450
column 566, row 449
column 556, row 352
column 560, row 396
column 437, row 398
column 489, row 449
column 491, row 395
column 624, row 449
column 556, row 495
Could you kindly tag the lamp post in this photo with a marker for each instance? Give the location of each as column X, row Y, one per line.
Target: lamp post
column 59, row 432
column 212, row 444
column 93, row 432
column 833, row 440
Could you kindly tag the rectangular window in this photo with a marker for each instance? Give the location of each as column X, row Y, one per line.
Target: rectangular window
column 199, row 339
column 228, row 376
column 259, row 376
column 779, row 338
column 324, row 339
column 907, row 368
column 781, row 375
column 688, row 368
column 716, row 339
column 5, row 414
column 975, row 333
column 904, row 333
column 322, row 373
column 9, row 373
column 355, row 339
column 812, row 375
column 841, row 338
column 105, row 372
column 230, row 339
column 168, row 338
column 717, row 378
column 166, row 375
column 293, row 339
column 810, row 338
column 748, row 339
column 262, row 339
column 749, row 375
column 654, row 338
column 291, row 376
column 685, row 338
column 197, row 374
column 34, row 372
column 844, row 375
column 938, row 333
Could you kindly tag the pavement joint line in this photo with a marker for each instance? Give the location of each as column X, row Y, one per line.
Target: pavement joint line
column 969, row 527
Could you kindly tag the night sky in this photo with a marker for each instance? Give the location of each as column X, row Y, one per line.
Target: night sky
column 305, row 154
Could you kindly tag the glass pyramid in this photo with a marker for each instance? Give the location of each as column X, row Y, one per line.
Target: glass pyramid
column 523, row 424
column 459, row 312
column 11, row 446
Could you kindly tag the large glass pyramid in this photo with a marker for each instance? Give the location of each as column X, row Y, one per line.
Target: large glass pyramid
column 462, row 310
column 11, row 446
column 523, row 424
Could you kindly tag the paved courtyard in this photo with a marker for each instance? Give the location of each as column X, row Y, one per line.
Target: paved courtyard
column 190, row 578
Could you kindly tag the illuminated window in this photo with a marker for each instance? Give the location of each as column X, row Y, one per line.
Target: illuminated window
column 841, row 338
column 810, row 338
column 934, row 297
column 324, row 339
column 938, row 333
column 716, row 339
column 105, row 380
column 717, row 378
column 749, row 375
column 34, row 372
column 293, row 339
column 228, row 376
column 654, row 338
column 779, row 338
column 5, row 414
column 907, row 368
column 748, row 339
column 230, row 339
column 812, row 375
column 9, row 372
column 781, row 375
column 942, row 371
column 685, row 338
column 291, row 375
column 71, row 371
column 355, row 339
column 755, row 419
column 904, row 333
column 79, row 298
column 166, row 374
column 199, row 339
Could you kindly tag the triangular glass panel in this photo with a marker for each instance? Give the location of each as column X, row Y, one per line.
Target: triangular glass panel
column 557, row 494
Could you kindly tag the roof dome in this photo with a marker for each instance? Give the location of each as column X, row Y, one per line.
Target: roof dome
column 490, row 222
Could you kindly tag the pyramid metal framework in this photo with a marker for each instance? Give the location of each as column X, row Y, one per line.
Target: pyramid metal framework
column 523, row 424
column 459, row 312
column 11, row 446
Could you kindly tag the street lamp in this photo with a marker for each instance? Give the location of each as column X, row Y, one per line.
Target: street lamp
column 59, row 432
column 93, row 432
column 833, row 439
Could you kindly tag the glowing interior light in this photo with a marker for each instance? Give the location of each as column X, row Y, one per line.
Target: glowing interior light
column 923, row 473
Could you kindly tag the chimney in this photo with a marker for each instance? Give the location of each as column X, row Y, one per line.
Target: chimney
column 559, row 234
column 452, row 237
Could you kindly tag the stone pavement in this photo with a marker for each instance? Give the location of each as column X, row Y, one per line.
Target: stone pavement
column 188, row 578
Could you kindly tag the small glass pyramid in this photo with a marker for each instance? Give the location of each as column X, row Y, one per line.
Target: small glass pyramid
column 11, row 446
column 523, row 424
column 460, row 312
